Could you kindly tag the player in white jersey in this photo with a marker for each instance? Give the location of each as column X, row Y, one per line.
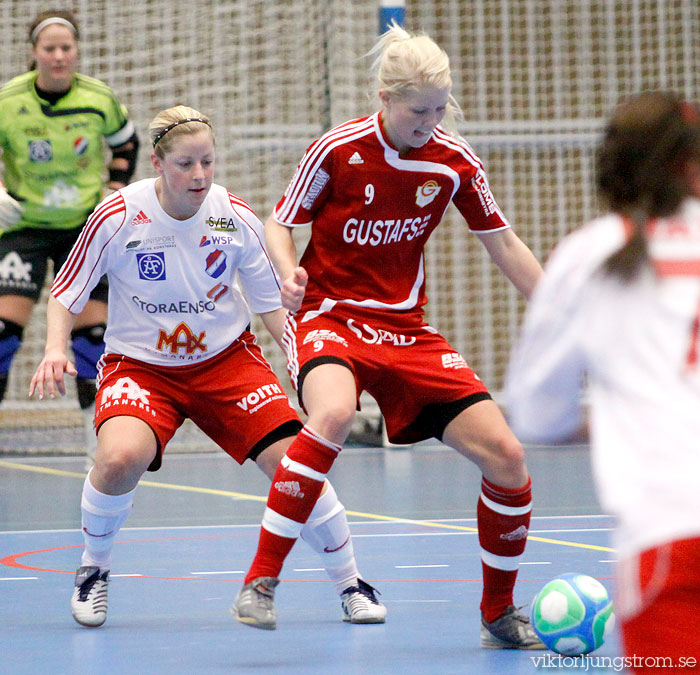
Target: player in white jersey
column 620, row 304
column 373, row 190
column 175, row 249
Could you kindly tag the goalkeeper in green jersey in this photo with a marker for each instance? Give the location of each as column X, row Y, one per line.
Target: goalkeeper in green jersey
column 53, row 125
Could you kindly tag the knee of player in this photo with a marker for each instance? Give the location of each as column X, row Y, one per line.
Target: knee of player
column 504, row 464
column 333, row 420
column 121, row 459
column 507, row 452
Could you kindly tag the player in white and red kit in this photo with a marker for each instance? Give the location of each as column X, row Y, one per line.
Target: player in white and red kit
column 619, row 303
column 179, row 252
column 373, row 190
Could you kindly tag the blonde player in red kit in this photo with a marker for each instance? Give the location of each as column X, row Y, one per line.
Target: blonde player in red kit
column 373, row 189
column 179, row 250
column 619, row 308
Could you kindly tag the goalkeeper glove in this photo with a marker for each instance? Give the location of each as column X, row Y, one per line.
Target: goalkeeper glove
column 10, row 210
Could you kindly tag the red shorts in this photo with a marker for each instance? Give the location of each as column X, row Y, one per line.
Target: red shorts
column 658, row 604
column 234, row 398
column 419, row 381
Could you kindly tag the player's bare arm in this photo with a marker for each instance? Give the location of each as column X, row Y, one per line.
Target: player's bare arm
column 274, row 322
column 49, row 375
column 513, row 258
column 281, row 247
column 283, row 251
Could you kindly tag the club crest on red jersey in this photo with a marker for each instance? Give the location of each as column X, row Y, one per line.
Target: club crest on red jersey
column 427, row 192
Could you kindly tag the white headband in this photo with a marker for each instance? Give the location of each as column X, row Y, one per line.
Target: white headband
column 48, row 22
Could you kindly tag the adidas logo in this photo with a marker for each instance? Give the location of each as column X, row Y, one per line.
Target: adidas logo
column 515, row 535
column 289, row 487
column 356, row 159
column 140, row 219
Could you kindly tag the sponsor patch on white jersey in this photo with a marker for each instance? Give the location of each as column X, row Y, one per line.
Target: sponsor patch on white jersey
column 151, row 266
column 216, row 263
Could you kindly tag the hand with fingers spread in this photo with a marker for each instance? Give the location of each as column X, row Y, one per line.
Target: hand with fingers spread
column 294, row 288
column 49, row 376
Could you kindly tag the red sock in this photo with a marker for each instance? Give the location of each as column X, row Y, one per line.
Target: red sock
column 503, row 519
column 295, row 488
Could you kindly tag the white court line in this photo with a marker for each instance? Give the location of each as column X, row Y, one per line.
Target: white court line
column 112, row 576
column 222, row 572
column 592, row 515
column 309, row 569
column 17, row 578
column 413, row 602
column 410, row 567
column 472, row 534
column 586, row 529
column 608, row 561
column 415, row 534
column 543, row 562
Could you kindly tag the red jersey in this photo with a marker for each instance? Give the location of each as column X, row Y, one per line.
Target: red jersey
column 373, row 211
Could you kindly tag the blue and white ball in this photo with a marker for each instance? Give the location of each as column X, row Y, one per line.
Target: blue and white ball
column 573, row 614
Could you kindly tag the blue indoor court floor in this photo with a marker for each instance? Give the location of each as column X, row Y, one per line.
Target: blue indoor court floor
column 180, row 560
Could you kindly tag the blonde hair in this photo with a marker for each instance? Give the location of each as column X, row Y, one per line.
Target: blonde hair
column 406, row 62
column 168, row 124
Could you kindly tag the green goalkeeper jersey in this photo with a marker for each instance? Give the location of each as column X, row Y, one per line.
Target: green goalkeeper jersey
column 53, row 154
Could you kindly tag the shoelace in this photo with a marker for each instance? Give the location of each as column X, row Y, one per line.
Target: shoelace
column 364, row 589
column 88, row 585
column 520, row 615
column 263, row 596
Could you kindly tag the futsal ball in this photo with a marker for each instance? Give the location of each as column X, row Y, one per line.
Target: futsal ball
column 573, row 614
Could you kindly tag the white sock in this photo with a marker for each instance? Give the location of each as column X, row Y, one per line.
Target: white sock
column 102, row 517
column 327, row 532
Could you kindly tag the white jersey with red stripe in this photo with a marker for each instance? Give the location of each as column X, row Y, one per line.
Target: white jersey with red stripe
column 174, row 294
column 373, row 210
column 637, row 344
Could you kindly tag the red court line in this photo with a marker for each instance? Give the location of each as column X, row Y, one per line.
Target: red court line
column 11, row 561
